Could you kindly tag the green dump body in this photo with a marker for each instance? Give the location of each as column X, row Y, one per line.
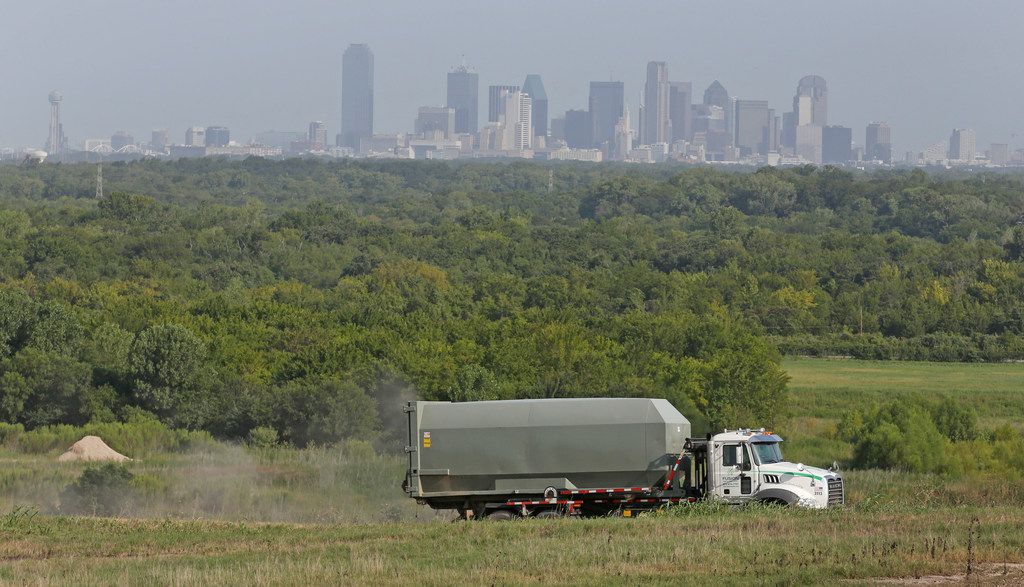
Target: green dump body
column 525, row 446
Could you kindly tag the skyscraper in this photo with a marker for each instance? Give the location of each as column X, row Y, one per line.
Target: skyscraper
column 962, row 145
column 680, row 96
column 755, row 127
column 716, row 95
column 654, row 124
column 607, row 104
column 356, row 95
column 495, row 101
column 514, row 126
column 55, row 142
column 802, row 129
column 539, row 99
column 815, row 109
column 623, row 137
column 837, row 144
column 578, row 131
column 878, row 142
column 464, row 96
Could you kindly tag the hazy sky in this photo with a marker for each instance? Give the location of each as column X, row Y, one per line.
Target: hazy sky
column 925, row 66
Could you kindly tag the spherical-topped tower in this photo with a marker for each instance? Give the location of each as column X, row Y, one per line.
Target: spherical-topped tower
column 55, row 143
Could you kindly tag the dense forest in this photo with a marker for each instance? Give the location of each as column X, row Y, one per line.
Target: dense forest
column 311, row 298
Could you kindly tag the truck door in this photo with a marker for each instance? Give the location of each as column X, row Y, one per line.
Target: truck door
column 727, row 471
column 733, row 472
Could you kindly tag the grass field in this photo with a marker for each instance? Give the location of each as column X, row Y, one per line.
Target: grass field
column 825, row 388
column 821, row 391
column 710, row 546
column 339, row 517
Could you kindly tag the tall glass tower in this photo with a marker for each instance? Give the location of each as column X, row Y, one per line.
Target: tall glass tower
column 356, row 95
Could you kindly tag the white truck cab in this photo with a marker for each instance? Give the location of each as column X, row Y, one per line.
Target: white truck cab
column 747, row 465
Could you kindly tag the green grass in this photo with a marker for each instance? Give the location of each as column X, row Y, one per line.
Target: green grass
column 827, row 388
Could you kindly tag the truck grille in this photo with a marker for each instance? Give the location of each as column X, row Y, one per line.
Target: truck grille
column 835, row 491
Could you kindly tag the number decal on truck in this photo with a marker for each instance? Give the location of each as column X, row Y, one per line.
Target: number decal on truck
column 426, row 440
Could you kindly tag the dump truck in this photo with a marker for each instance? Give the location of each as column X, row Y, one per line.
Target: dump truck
column 593, row 457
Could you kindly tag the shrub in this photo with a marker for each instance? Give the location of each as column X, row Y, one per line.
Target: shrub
column 262, row 437
column 141, row 435
column 101, row 490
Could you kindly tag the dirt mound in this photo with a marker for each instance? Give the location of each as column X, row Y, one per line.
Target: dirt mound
column 92, row 448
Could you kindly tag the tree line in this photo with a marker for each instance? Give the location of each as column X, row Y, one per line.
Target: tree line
column 311, row 298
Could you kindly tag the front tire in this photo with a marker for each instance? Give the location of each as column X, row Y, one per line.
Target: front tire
column 499, row 516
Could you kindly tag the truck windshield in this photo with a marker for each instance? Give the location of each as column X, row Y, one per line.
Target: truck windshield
column 767, row 452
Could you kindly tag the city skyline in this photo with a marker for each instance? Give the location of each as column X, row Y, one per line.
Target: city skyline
column 250, row 98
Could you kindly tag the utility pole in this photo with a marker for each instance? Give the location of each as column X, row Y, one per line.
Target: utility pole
column 99, row 181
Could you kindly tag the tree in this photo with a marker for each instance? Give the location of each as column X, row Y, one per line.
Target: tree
column 167, row 366
column 325, row 411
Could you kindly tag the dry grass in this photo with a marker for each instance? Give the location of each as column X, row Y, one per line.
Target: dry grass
column 722, row 546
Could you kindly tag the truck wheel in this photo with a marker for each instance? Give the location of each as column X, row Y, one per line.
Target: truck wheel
column 499, row 516
column 548, row 515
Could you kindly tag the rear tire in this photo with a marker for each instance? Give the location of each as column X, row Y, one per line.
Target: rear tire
column 499, row 516
column 548, row 515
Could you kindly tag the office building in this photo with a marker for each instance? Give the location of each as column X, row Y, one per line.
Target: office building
column 356, row 95
column 433, row 120
column 534, row 86
column 755, row 127
column 837, row 145
column 496, row 101
column 120, row 140
column 962, row 145
column 680, row 110
column 160, row 139
column 317, row 136
column 278, row 139
column 999, row 153
column 654, row 117
column 809, row 143
column 936, row 153
column 607, row 105
column 878, row 142
column 578, row 132
column 195, row 137
column 557, row 129
column 463, row 94
column 217, row 136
